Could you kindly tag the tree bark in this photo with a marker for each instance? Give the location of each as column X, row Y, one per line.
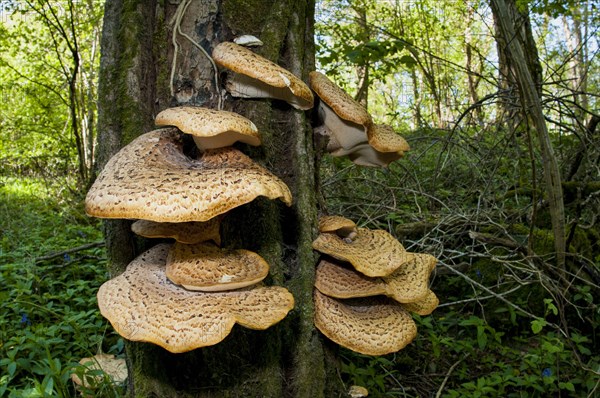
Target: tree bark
column 135, row 83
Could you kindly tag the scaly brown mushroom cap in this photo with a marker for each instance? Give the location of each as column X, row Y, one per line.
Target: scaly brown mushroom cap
column 425, row 306
column 346, row 121
column 383, row 138
column 207, row 268
column 373, row 253
column 143, row 305
column 257, row 77
column 152, row 179
column 210, row 128
column 339, row 225
column 185, row 232
column 407, row 284
column 370, row 326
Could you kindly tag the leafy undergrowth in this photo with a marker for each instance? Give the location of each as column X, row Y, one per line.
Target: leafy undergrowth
column 49, row 319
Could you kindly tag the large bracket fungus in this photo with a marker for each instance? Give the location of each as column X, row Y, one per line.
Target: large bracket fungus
column 142, row 304
column 254, row 76
column 152, row 179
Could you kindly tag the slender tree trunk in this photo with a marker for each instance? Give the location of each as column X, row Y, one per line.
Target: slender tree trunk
column 529, row 90
column 135, row 83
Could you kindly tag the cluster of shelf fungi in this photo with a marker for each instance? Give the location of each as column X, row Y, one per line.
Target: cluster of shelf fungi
column 189, row 294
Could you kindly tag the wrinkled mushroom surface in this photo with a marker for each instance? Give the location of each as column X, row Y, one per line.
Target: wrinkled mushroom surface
column 143, row 305
column 152, row 179
column 256, row 77
column 371, row 252
column 205, row 267
column 424, row 306
column 370, row 326
column 113, row 367
column 338, row 225
column 407, row 284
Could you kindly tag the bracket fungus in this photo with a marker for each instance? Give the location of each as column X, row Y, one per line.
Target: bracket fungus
column 370, row 326
column 254, row 76
column 371, row 252
column 205, row 267
column 152, row 179
column 143, row 305
column 113, row 367
column 210, row 128
column 345, row 121
column 185, row 232
column 424, row 306
column 407, row 284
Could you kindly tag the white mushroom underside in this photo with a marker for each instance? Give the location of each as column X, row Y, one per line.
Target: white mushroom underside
column 366, row 155
column 346, row 133
column 239, row 85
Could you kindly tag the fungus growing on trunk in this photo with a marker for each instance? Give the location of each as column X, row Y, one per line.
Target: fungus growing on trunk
column 370, row 326
column 254, row 76
column 205, row 267
column 152, row 179
column 373, row 253
column 142, row 304
column 185, row 232
column 210, row 128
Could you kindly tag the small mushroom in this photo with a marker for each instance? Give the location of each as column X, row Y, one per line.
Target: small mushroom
column 207, row 268
column 339, row 225
column 372, row 252
column 254, row 76
column 152, row 179
column 370, row 326
column 358, row 392
column 142, row 304
column 210, row 128
column 384, row 146
column 407, row 284
column 185, row 232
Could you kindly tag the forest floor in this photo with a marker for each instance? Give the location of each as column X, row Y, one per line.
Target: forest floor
column 472, row 346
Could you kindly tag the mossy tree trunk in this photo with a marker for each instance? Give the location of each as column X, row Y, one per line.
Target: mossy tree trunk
column 138, row 79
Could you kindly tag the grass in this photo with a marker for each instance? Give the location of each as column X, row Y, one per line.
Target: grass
column 48, row 314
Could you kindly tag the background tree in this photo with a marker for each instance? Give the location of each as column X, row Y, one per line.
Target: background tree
column 145, row 44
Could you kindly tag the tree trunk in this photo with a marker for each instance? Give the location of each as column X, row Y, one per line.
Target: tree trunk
column 522, row 55
column 135, row 83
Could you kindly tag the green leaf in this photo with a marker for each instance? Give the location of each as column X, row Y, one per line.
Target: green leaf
column 12, row 367
column 408, row 61
column 537, row 325
column 567, row 386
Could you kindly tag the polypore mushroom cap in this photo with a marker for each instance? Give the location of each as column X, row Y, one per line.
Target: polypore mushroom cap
column 257, row 77
column 185, row 232
column 346, row 121
column 113, row 367
column 210, row 128
column 372, row 252
column 358, row 392
column 143, row 305
column 407, row 284
column 205, row 267
column 370, row 326
column 339, row 225
column 152, row 179
column 383, row 138
column 425, row 306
